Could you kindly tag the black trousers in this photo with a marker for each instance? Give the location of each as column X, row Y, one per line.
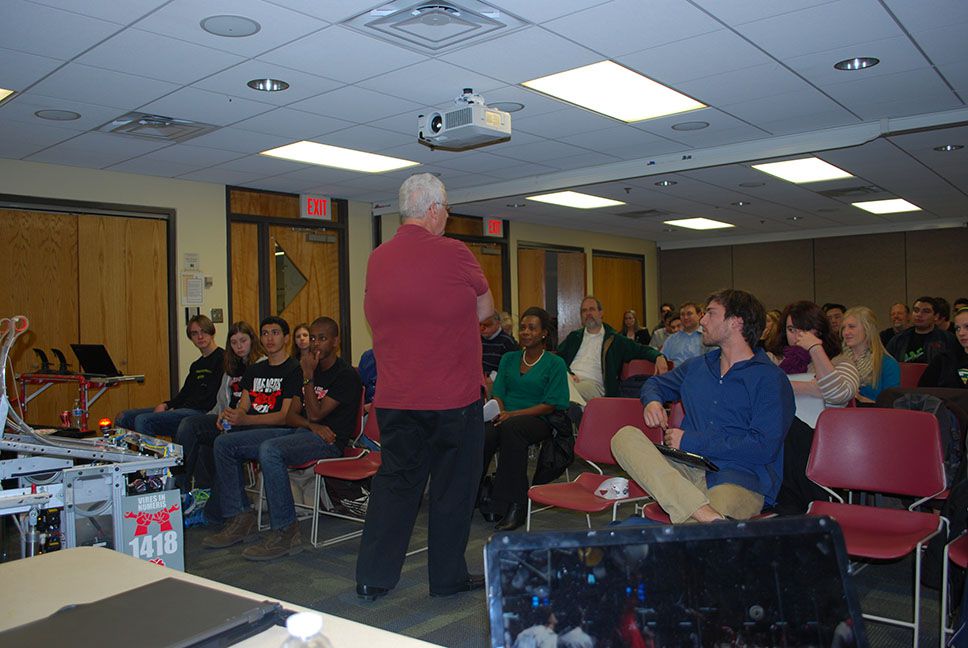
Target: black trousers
column 196, row 435
column 512, row 438
column 447, row 447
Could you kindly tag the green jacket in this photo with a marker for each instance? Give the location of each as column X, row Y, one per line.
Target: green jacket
column 616, row 351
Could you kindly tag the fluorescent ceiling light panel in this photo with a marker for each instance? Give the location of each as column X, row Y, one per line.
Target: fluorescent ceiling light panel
column 801, row 171
column 576, row 200
column 4, row 93
column 890, row 206
column 611, row 89
column 698, row 223
column 337, row 157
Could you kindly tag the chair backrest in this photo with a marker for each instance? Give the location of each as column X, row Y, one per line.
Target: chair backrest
column 877, row 450
column 911, row 373
column 358, row 429
column 637, row 368
column 603, row 417
column 372, row 430
column 677, row 413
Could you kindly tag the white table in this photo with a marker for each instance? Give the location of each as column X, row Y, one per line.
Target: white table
column 34, row 588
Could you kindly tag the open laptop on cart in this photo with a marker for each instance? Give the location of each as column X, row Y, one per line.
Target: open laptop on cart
column 776, row 582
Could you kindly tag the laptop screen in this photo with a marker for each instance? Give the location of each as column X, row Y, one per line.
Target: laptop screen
column 776, row 582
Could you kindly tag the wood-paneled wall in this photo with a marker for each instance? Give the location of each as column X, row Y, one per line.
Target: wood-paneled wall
column 618, row 285
column 874, row 270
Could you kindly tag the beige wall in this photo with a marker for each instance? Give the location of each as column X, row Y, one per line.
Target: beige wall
column 874, row 270
column 199, row 217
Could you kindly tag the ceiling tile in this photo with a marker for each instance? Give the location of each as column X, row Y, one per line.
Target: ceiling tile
column 538, row 11
column 143, row 166
column 896, row 54
column 102, row 87
column 49, row 32
column 263, row 165
column 957, row 75
column 693, row 58
column 18, row 140
column 895, row 95
column 182, row 19
column 567, row 121
column 122, row 13
column 743, row 85
column 233, row 82
column 820, row 28
column 512, row 58
column 606, row 139
column 342, row 54
column 944, row 44
column 357, row 105
column 241, row 141
column 18, row 70
column 198, row 157
column 293, row 124
column 540, row 151
column 737, row 12
column 218, row 175
column 582, row 160
column 22, row 109
column 516, row 171
column 100, row 149
column 928, row 14
column 170, row 59
column 364, row 138
column 622, row 26
column 432, row 80
column 788, row 106
column 204, row 106
column 723, row 127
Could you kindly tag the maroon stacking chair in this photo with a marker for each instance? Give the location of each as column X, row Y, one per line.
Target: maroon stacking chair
column 637, row 368
column 955, row 551
column 354, row 465
column 603, row 417
column 911, row 374
column 880, row 451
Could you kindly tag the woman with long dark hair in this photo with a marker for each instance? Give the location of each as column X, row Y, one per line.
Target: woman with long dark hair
column 531, row 390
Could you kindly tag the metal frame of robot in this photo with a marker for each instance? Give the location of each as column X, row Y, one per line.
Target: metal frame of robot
column 46, row 470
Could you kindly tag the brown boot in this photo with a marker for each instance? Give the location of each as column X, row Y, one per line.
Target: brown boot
column 241, row 528
column 277, row 543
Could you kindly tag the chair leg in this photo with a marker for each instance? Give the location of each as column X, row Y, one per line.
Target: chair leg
column 527, row 523
column 917, row 595
column 944, row 597
column 588, row 520
column 259, row 501
column 314, row 535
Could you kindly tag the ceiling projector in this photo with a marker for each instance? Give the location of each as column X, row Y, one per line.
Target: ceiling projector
column 470, row 124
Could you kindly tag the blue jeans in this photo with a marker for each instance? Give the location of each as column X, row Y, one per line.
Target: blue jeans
column 147, row 421
column 275, row 449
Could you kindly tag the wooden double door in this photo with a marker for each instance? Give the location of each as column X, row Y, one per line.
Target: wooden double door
column 93, row 279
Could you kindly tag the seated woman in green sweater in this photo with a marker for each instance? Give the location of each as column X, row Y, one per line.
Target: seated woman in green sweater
column 531, row 385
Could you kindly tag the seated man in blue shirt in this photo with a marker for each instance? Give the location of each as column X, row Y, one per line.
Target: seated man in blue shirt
column 738, row 407
column 688, row 342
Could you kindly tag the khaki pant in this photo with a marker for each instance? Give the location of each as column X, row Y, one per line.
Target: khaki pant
column 678, row 488
column 588, row 389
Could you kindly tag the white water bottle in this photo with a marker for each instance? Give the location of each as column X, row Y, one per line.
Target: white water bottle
column 306, row 631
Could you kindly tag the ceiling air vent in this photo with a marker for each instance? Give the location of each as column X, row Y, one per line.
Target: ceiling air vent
column 156, row 128
column 852, row 192
column 643, row 213
column 435, row 27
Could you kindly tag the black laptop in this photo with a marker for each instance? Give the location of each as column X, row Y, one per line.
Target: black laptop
column 95, row 361
column 776, row 582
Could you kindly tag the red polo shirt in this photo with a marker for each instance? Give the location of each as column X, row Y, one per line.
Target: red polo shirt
column 421, row 303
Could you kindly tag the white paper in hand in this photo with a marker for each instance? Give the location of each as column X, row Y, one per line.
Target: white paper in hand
column 491, row 410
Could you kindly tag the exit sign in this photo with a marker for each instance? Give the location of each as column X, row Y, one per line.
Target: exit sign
column 314, row 206
column 494, row 227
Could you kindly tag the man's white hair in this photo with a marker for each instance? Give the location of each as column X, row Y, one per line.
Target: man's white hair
column 418, row 193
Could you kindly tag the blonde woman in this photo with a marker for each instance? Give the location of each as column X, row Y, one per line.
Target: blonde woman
column 877, row 369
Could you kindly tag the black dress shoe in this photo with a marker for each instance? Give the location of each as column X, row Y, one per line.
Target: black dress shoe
column 471, row 583
column 370, row 592
column 491, row 516
column 515, row 517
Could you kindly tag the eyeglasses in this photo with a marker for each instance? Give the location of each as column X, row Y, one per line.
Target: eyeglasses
column 446, row 206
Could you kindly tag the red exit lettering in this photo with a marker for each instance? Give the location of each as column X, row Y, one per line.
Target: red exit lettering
column 316, row 207
column 493, row 227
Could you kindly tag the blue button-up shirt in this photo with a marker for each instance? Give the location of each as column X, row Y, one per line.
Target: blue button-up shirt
column 738, row 420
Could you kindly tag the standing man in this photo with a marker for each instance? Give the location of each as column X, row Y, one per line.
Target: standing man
column 900, row 320
column 429, row 402
column 738, row 405
column 687, row 343
column 595, row 354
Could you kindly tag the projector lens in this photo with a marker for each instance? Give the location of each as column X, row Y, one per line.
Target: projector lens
column 436, row 123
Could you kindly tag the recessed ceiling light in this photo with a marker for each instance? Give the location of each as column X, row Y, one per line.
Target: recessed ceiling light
column 794, row 218
column 268, row 85
column 507, row 106
column 611, row 89
column 6, row 94
column 665, row 183
column 751, row 185
column 576, row 200
column 889, row 206
column 230, row 26
column 804, row 170
column 337, row 157
column 517, row 205
column 947, row 148
column 857, row 63
column 740, row 203
column 690, row 126
column 668, row 229
column 698, row 223
column 58, row 115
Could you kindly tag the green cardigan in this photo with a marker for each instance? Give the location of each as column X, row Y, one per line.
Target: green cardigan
column 616, row 351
